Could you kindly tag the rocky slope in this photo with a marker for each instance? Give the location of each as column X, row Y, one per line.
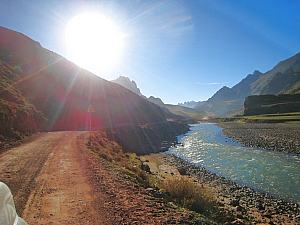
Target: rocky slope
column 71, row 98
column 18, row 117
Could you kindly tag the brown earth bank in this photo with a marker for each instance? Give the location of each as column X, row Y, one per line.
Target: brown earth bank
column 84, row 178
column 281, row 137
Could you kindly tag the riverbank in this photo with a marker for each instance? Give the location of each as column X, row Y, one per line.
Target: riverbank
column 281, row 137
column 243, row 204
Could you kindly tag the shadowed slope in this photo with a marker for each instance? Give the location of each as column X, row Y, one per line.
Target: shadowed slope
column 72, row 98
column 69, row 96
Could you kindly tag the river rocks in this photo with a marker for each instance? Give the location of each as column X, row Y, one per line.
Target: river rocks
column 238, row 222
column 145, row 167
column 245, row 203
column 276, row 137
column 260, row 206
column 235, row 202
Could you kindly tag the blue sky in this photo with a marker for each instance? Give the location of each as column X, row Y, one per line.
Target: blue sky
column 177, row 50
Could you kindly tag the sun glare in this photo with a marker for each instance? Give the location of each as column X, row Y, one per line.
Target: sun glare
column 94, row 42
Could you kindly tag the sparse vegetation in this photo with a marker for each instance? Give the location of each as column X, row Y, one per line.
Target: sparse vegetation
column 293, row 117
column 189, row 194
column 179, row 189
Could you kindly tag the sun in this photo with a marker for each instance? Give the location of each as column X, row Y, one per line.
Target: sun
column 94, row 42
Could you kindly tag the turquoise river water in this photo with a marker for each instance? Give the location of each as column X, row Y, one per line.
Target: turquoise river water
column 268, row 171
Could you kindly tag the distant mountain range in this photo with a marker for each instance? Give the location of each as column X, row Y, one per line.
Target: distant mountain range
column 185, row 113
column 284, row 78
column 189, row 104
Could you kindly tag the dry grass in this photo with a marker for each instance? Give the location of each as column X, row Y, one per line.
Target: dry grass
column 189, row 194
column 107, row 149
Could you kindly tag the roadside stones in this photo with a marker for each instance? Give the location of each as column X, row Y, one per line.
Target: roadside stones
column 235, row 202
column 145, row 167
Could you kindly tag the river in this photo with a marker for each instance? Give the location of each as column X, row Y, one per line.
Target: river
column 267, row 171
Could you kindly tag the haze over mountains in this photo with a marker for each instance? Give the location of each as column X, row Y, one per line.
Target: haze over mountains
column 284, row 78
column 186, row 113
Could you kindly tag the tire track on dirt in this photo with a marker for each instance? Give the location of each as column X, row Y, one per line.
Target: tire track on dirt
column 21, row 165
column 63, row 194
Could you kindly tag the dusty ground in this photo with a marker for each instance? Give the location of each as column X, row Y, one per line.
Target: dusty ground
column 48, row 180
column 56, row 179
column 19, row 166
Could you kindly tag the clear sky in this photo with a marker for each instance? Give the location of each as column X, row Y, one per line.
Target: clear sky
column 177, row 50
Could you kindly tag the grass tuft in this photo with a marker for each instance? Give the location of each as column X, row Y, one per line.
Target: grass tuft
column 189, row 194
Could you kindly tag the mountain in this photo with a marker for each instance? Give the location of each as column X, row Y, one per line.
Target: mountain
column 189, row 104
column 156, row 101
column 127, row 83
column 184, row 113
column 71, row 98
column 284, row 78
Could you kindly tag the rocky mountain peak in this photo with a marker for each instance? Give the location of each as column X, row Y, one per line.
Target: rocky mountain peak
column 127, row 83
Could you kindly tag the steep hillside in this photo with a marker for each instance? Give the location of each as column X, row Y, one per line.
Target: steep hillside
column 294, row 89
column 283, row 78
column 280, row 79
column 156, row 101
column 17, row 115
column 72, row 98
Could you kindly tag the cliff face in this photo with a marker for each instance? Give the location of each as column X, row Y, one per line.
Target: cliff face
column 270, row 104
column 69, row 97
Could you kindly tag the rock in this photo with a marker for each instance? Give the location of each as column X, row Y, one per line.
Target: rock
column 260, row 206
column 235, row 202
column 182, row 171
column 145, row 167
column 238, row 221
column 239, row 208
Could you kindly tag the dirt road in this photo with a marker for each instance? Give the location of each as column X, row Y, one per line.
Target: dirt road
column 56, row 179
column 48, row 180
